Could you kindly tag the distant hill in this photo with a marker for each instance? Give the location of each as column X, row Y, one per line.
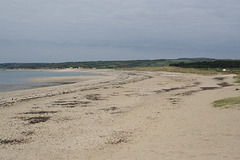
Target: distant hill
column 195, row 59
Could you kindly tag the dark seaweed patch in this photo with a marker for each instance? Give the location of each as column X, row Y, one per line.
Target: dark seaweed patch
column 224, row 84
column 84, row 102
column 68, row 104
column 34, row 120
column 117, row 112
column 94, row 97
column 170, row 89
column 40, row 112
column 109, row 109
column 174, row 100
column 12, row 141
column 219, row 78
column 27, row 133
column 209, row 88
column 188, row 93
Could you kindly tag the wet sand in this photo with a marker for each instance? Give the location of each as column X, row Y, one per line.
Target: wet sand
column 122, row 115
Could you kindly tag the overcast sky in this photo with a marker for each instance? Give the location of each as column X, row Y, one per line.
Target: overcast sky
column 85, row 30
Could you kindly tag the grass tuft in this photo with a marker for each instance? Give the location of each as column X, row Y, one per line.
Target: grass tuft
column 228, row 103
column 237, row 79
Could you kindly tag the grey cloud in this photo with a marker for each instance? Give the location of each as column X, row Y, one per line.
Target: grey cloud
column 143, row 28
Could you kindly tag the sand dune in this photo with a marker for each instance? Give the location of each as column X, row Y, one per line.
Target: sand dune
column 122, row 115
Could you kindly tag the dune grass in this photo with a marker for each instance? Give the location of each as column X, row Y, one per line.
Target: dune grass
column 237, row 79
column 233, row 102
column 172, row 69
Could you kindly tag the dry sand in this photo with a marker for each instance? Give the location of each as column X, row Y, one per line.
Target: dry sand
column 122, row 115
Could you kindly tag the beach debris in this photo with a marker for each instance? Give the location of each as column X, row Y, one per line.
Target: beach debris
column 68, row 104
column 109, row 109
column 12, row 141
column 40, row 112
column 187, row 93
column 119, row 137
column 169, row 89
column 174, row 100
column 71, row 103
column 209, row 88
column 27, row 133
column 224, row 84
column 34, row 120
column 94, row 97
column 89, row 113
column 219, row 78
column 118, row 112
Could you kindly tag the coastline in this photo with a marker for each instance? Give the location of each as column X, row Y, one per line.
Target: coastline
column 42, row 81
column 122, row 115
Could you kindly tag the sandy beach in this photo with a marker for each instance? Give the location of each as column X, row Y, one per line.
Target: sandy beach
column 122, row 115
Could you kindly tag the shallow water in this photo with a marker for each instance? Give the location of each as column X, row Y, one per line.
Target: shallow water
column 17, row 80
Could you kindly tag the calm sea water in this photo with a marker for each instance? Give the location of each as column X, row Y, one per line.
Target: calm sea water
column 16, row 80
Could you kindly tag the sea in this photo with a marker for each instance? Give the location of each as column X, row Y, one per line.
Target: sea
column 18, row 80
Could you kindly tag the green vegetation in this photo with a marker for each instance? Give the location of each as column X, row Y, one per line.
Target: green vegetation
column 93, row 64
column 223, row 66
column 172, row 69
column 228, row 103
column 183, row 65
column 237, row 79
column 209, row 64
column 100, row 64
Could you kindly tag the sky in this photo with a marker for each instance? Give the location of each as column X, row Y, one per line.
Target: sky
column 94, row 30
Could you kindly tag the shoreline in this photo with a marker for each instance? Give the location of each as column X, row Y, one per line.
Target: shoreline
column 33, row 93
column 31, row 83
column 122, row 115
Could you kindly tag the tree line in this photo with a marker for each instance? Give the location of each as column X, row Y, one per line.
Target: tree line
column 209, row 64
column 90, row 64
column 183, row 62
